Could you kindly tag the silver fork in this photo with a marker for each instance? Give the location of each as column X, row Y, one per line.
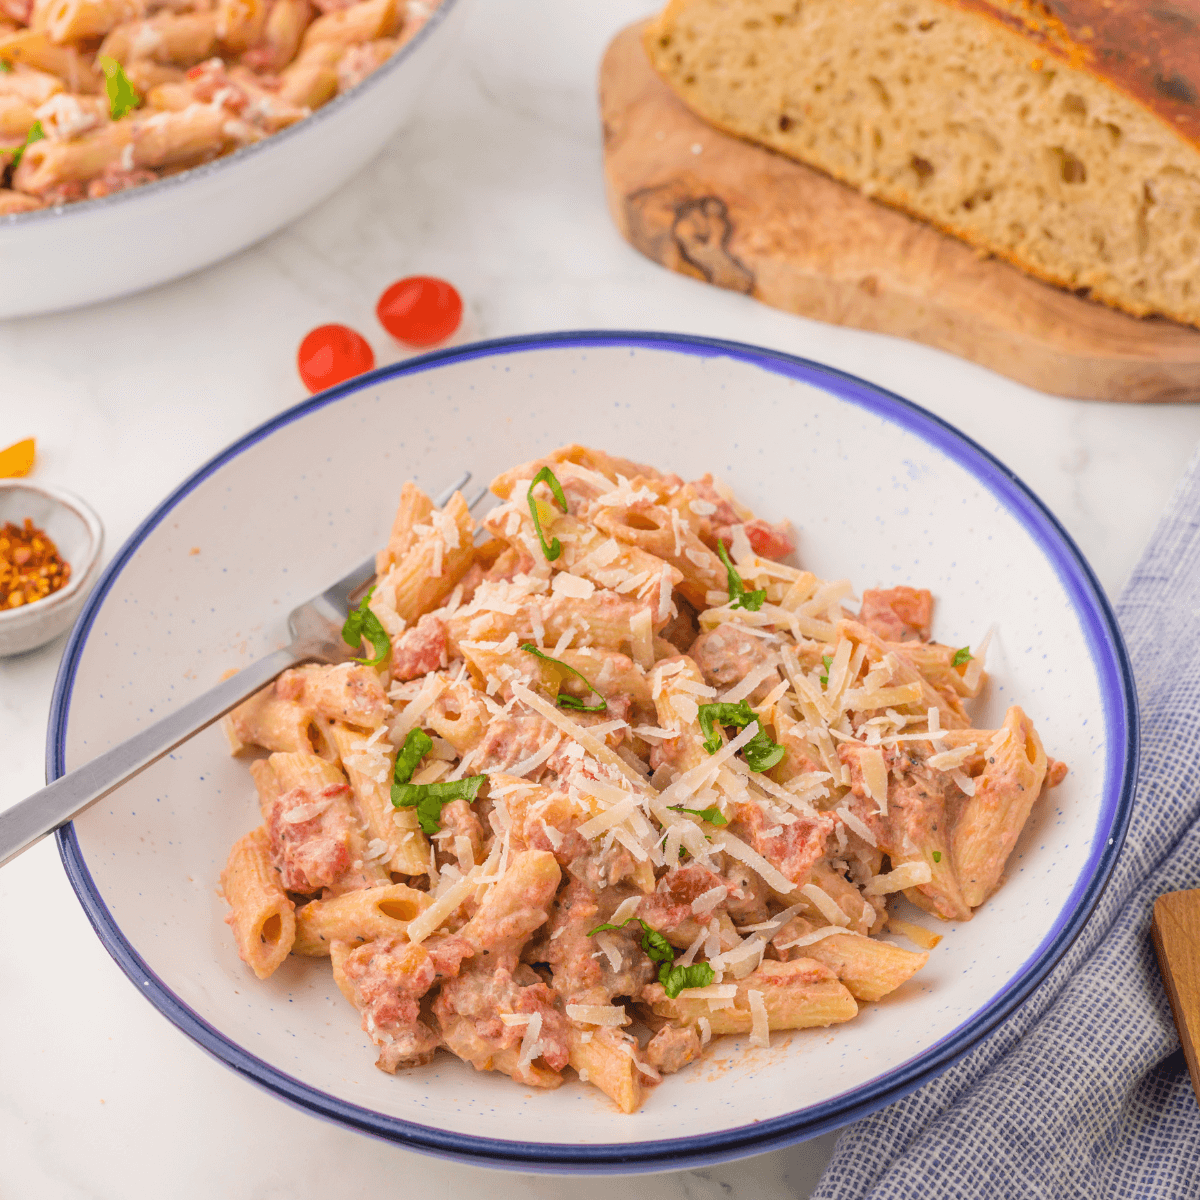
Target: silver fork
column 316, row 631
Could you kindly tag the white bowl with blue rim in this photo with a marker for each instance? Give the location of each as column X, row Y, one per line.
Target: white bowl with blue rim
column 94, row 250
column 880, row 491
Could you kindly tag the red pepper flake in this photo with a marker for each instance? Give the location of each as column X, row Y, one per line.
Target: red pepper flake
column 30, row 566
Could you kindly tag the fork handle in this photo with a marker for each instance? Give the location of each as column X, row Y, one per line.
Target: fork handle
column 57, row 803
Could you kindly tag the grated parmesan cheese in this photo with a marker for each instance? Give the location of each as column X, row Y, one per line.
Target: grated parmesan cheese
column 772, row 876
column 718, row 995
column 306, row 812
column 707, row 901
column 817, row 935
column 625, row 910
column 531, row 1048
column 860, row 827
column 442, row 908
column 875, row 777
column 572, row 586
column 610, row 950
column 536, row 759
column 597, row 1014
column 685, row 960
column 906, row 875
column 824, row 904
column 760, row 1030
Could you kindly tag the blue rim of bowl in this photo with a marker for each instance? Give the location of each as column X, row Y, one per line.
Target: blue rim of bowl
column 1119, row 698
column 81, row 208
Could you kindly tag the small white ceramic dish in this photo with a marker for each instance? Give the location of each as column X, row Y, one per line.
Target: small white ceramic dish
column 880, row 491
column 79, row 536
column 99, row 249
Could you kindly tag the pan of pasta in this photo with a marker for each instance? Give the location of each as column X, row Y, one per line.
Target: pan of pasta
column 123, row 121
column 774, row 768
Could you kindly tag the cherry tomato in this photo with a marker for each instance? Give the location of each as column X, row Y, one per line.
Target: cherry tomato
column 420, row 310
column 332, row 354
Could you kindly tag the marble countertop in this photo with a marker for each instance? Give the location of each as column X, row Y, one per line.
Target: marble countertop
column 496, row 186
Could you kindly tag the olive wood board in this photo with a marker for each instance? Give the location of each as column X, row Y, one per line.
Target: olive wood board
column 1175, row 931
column 742, row 217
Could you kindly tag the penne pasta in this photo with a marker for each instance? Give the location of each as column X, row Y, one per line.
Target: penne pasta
column 269, row 722
column 599, row 781
column 261, row 915
column 801, row 994
column 369, row 769
column 356, row 917
column 174, row 85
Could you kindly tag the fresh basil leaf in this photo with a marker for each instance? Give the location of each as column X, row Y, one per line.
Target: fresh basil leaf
column 568, row 701
column 363, row 623
column 676, row 979
column 35, row 134
column 761, row 753
column 937, row 856
column 712, row 715
column 122, row 98
column 5, row 65
column 653, row 943
column 416, row 746
column 714, row 816
column 961, row 655
column 827, row 662
column 428, row 798
column 547, row 476
column 738, row 596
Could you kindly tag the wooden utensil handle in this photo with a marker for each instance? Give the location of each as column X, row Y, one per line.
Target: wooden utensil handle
column 1175, row 931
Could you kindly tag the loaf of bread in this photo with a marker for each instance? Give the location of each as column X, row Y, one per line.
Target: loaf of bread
column 1062, row 136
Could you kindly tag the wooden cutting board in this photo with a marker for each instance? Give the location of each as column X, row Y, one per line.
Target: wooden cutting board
column 741, row 217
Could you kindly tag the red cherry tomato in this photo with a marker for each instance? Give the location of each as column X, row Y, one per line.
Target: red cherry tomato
column 332, row 354
column 420, row 310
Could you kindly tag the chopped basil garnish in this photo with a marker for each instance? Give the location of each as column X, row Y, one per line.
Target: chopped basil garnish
column 428, row 798
column 121, row 95
column 546, row 476
column 961, row 655
column 416, row 746
column 5, row 65
column 655, row 945
column 738, row 596
column 937, row 856
column 827, row 662
column 714, row 816
column 363, row 623
column 712, row 715
column 568, row 701
column 760, row 752
column 35, row 134
column 674, row 979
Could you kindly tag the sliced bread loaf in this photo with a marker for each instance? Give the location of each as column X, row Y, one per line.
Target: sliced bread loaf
column 1062, row 136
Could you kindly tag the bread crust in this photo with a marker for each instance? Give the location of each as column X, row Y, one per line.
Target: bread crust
column 1147, row 49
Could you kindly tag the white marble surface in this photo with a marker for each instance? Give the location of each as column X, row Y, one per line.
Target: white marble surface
column 498, row 188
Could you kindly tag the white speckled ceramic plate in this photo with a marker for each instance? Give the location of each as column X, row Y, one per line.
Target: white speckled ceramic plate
column 879, row 490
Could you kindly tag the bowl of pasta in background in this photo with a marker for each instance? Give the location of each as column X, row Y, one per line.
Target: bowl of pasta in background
column 879, row 491
column 89, row 250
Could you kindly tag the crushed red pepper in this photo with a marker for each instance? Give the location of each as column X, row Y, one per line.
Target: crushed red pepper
column 30, row 566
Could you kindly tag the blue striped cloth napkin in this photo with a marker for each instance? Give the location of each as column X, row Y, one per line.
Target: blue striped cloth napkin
column 1084, row 1092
